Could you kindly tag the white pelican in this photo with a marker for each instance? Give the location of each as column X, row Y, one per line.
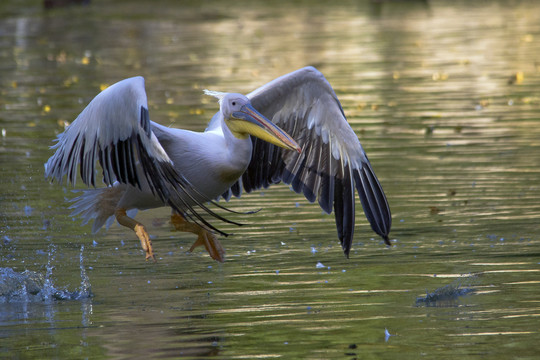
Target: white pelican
column 146, row 165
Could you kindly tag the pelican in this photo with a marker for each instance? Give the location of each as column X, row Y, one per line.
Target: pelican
column 291, row 130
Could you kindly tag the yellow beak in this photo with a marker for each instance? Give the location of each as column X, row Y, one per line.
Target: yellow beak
column 249, row 121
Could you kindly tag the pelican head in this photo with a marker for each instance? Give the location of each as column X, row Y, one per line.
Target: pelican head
column 243, row 120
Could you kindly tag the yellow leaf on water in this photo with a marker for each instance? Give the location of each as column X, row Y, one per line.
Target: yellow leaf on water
column 516, row 78
column 46, row 108
column 528, row 38
column 173, row 115
column 61, row 57
column 484, row 102
column 438, row 76
column 103, row 87
column 63, row 123
column 71, row 80
column 196, row 111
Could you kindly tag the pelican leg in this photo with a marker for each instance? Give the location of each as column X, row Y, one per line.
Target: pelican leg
column 205, row 238
column 139, row 229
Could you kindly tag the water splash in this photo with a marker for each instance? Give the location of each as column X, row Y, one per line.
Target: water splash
column 48, row 290
column 85, row 291
column 31, row 286
column 387, row 335
column 445, row 296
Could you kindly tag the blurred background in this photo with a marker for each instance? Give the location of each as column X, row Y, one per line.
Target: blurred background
column 443, row 96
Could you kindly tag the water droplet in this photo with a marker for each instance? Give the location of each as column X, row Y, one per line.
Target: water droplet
column 85, row 289
column 7, row 239
column 386, row 335
column 28, row 210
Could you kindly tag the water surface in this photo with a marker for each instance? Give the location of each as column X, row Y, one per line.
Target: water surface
column 443, row 96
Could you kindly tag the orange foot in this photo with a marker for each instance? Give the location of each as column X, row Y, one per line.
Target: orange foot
column 139, row 229
column 146, row 243
column 211, row 244
column 205, row 238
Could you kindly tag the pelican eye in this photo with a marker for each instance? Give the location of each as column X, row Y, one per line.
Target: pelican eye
column 234, row 103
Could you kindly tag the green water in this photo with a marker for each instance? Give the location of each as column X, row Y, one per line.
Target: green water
column 444, row 97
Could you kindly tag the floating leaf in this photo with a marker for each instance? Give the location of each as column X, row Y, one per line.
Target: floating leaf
column 528, row 38
column 433, row 210
column 196, row 111
column 438, row 76
column 516, row 78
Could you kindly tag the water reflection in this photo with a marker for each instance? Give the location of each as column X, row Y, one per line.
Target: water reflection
column 159, row 334
column 454, row 144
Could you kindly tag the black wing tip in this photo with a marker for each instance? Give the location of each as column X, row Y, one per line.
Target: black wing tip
column 346, row 245
column 347, row 249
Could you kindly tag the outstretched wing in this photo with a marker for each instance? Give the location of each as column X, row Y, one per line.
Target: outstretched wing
column 332, row 162
column 115, row 130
